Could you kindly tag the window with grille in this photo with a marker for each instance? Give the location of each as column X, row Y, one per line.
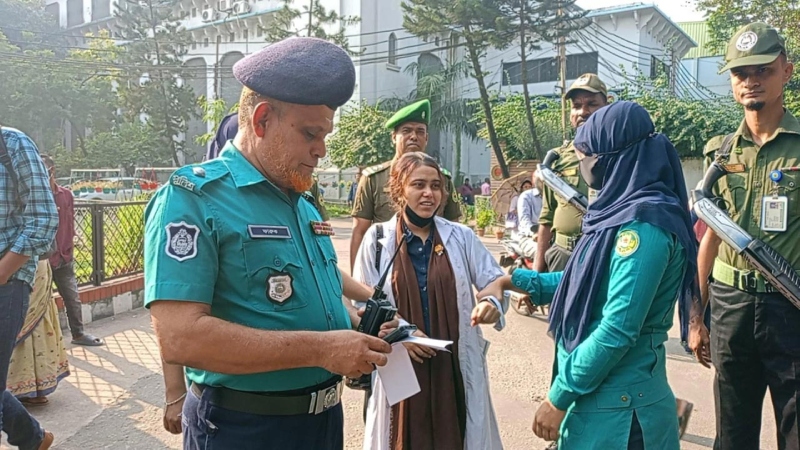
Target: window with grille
column 392, row 49
column 545, row 70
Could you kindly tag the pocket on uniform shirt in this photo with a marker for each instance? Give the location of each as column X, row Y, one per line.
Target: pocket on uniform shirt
column 331, row 261
column 274, row 275
column 790, row 187
column 737, row 186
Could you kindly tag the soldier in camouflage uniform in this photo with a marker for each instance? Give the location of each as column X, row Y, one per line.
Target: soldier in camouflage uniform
column 372, row 203
column 755, row 331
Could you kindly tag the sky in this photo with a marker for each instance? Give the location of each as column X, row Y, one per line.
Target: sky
column 677, row 10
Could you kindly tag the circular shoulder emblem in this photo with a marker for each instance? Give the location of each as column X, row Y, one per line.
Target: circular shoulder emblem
column 746, row 41
column 627, row 243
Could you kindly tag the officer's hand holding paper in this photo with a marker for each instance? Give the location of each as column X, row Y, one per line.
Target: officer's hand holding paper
column 397, row 376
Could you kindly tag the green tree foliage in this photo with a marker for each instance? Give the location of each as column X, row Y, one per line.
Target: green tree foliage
column 538, row 21
column 316, row 20
column 688, row 123
column 213, row 112
column 360, row 138
column 127, row 146
column 512, row 125
column 153, row 59
column 481, row 24
column 726, row 16
column 45, row 83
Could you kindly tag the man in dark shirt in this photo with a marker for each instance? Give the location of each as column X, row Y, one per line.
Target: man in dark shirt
column 63, row 261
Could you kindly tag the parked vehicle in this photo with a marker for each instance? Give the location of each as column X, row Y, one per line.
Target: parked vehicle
column 159, row 175
column 117, row 189
column 520, row 251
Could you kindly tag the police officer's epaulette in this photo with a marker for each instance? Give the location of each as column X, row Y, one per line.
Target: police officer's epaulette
column 193, row 177
column 446, row 172
column 309, row 198
column 713, row 145
column 372, row 170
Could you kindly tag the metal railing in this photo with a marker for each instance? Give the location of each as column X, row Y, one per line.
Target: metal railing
column 109, row 241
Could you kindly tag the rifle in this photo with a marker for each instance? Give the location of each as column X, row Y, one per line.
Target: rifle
column 763, row 258
column 559, row 186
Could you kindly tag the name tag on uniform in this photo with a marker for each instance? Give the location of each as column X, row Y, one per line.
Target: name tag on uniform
column 774, row 213
column 269, row 232
column 735, row 168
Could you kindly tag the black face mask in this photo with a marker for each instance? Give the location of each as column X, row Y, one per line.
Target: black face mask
column 593, row 171
column 417, row 220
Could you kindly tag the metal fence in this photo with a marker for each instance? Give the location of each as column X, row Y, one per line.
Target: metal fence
column 109, row 241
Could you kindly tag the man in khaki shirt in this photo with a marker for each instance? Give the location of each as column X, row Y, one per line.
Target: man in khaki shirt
column 560, row 222
column 755, row 331
column 372, row 202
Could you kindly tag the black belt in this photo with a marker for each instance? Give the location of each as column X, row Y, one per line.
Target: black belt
column 318, row 399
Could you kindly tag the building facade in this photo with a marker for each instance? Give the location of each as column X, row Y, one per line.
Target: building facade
column 618, row 42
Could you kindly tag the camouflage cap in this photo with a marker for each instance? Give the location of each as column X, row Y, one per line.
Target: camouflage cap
column 753, row 45
column 415, row 112
column 589, row 82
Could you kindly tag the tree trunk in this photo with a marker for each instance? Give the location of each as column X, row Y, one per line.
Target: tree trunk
column 487, row 107
column 537, row 147
column 167, row 125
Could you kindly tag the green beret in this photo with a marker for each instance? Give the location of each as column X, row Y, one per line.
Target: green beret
column 415, row 112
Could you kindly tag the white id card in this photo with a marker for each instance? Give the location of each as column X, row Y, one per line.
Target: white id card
column 774, row 213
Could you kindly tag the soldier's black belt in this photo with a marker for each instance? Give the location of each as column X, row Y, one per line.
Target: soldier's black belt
column 313, row 400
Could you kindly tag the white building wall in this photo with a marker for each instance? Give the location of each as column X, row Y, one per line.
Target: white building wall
column 375, row 77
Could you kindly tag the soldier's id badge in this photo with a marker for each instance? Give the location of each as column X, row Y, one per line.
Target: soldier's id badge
column 279, row 287
column 774, row 213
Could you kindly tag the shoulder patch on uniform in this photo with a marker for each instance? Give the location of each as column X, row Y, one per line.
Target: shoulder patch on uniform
column 182, row 181
column 181, row 240
column 372, row 170
column 193, row 177
column 713, row 145
column 627, row 243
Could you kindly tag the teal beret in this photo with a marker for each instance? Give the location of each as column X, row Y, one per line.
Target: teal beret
column 415, row 112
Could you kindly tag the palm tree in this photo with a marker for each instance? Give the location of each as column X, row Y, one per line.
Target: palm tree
column 449, row 113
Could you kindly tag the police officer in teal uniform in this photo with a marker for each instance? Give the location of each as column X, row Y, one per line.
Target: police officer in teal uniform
column 241, row 276
column 612, row 307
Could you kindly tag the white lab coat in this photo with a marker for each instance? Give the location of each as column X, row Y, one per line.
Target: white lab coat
column 473, row 265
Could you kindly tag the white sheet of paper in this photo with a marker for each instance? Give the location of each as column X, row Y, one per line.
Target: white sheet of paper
column 397, row 376
column 428, row 342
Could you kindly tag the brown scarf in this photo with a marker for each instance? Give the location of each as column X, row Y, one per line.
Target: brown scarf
column 436, row 417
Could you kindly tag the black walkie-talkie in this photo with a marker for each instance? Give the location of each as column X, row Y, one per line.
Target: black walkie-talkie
column 378, row 311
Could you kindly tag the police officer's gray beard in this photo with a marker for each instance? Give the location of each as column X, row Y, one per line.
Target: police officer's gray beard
column 754, row 106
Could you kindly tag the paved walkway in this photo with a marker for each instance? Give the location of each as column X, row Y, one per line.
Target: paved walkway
column 113, row 398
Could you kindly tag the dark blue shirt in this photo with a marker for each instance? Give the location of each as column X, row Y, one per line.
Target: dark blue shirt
column 420, row 254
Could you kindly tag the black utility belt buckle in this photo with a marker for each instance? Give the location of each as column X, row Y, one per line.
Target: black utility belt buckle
column 325, row 399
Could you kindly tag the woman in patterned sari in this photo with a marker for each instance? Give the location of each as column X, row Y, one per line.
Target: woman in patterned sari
column 39, row 360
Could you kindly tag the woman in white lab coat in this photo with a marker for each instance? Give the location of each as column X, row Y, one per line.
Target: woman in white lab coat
column 431, row 283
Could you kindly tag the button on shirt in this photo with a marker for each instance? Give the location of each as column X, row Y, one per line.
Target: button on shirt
column 420, row 254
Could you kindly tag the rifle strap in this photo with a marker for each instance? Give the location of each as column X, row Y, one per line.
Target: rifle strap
column 724, row 151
